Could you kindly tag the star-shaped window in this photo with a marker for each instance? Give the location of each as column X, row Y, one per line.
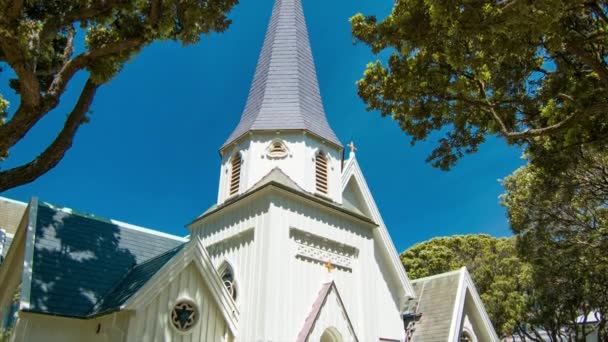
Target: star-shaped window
column 184, row 315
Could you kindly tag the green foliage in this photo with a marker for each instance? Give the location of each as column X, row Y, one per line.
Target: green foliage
column 38, row 40
column 533, row 72
column 5, row 335
column 501, row 278
column 562, row 228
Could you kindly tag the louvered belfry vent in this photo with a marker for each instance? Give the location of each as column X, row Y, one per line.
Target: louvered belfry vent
column 321, row 173
column 235, row 174
column 277, row 147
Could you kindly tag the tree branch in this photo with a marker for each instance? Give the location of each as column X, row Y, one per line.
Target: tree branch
column 527, row 133
column 81, row 61
column 155, row 9
column 99, row 7
column 592, row 61
column 25, row 117
column 54, row 153
column 28, row 83
column 12, row 9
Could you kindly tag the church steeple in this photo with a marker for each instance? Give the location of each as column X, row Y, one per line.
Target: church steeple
column 284, row 95
column 283, row 127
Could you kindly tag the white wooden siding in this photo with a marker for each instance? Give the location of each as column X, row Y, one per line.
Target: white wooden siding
column 151, row 323
column 231, row 236
column 331, row 316
column 35, row 327
column 277, row 289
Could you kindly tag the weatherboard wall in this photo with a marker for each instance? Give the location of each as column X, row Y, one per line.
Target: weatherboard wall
column 297, row 263
column 230, row 236
column 278, row 286
column 152, row 322
column 37, row 327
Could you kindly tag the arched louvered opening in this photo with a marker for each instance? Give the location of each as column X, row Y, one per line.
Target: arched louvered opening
column 235, row 173
column 321, row 173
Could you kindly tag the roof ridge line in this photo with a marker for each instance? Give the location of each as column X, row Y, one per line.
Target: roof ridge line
column 92, row 312
column 131, row 226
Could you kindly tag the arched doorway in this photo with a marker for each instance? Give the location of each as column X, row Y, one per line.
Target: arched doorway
column 331, row 335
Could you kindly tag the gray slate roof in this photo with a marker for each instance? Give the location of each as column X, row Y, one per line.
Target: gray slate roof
column 79, row 260
column 285, row 93
column 436, row 300
column 137, row 277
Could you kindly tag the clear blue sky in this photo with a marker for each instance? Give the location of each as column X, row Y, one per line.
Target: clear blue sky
column 149, row 156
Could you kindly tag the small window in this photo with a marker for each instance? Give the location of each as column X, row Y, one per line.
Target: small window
column 227, row 275
column 184, row 315
column 321, row 172
column 277, row 149
column 235, row 174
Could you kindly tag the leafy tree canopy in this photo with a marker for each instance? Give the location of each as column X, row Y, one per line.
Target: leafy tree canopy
column 37, row 41
column 562, row 228
column 501, row 278
column 532, row 72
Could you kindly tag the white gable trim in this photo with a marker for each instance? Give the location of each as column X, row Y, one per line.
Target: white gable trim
column 479, row 304
column 28, row 258
column 458, row 308
column 465, row 285
column 310, row 325
column 194, row 253
column 353, row 170
column 11, row 269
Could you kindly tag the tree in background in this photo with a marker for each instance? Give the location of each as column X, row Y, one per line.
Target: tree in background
column 501, row 278
column 562, row 228
column 532, row 72
column 536, row 74
column 38, row 39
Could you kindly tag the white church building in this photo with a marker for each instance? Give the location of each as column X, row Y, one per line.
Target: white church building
column 295, row 248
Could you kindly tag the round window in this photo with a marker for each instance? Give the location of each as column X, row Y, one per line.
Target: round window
column 184, row 315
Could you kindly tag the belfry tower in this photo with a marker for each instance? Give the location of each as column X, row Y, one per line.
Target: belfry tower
column 293, row 234
column 283, row 124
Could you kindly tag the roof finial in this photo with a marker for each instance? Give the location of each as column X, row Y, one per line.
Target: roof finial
column 353, row 149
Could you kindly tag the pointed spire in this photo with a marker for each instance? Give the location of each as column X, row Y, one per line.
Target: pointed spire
column 285, row 94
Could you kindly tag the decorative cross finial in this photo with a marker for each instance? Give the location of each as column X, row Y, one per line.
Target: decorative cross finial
column 352, row 147
column 330, row 267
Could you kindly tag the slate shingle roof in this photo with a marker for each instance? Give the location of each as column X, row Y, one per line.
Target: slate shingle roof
column 134, row 280
column 285, row 93
column 78, row 259
column 436, row 300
